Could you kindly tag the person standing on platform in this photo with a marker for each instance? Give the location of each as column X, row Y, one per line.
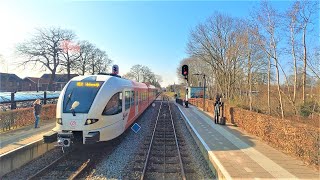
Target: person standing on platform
column 217, row 109
column 37, row 112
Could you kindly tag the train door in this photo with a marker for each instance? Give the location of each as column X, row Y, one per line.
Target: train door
column 126, row 104
column 137, row 103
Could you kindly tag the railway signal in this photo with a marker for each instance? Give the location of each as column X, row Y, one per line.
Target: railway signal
column 185, row 70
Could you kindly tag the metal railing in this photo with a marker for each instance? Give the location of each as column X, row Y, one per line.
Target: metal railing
column 10, row 99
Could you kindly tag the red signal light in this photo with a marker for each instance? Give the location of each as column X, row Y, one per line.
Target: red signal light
column 185, row 70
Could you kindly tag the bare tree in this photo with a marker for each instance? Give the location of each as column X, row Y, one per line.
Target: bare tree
column 44, row 48
column 70, row 54
column 102, row 61
column 306, row 11
column 98, row 61
column 141, row 73
column 134, row 73
column 267, row 25
column 85, row 55
column 294, row 30
column 2, row 61
column 215, row 43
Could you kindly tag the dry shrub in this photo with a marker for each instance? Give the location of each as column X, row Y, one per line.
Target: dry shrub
column 298, row 139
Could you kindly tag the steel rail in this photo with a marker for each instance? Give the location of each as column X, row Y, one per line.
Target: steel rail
column 80, row 169
column 150, row 146
column 177, row 143
column 152, row 141
column 65, row 155
column 47, row 167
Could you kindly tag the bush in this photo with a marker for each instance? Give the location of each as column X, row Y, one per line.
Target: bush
column 23, row 117
column 308, row 108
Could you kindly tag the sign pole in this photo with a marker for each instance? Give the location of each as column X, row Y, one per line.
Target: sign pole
column 204, row 92
column 187, row 92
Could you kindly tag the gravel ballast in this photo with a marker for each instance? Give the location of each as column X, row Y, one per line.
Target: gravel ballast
column 34, row 166
column 113, row 166
column 118, row 163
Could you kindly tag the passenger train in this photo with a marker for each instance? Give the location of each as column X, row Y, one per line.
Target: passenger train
column 97, row 108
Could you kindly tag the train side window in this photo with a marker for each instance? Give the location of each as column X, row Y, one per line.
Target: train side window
column 132, row 98
column 114, row 106
column 137, row 98
column 127, row 99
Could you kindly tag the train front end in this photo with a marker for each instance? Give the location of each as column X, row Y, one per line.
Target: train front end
column 79, row 114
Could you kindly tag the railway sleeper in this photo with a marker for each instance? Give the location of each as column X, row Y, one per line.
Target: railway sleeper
column 166, row 135
column 142, row 154
column 161, row 169
column 138, row 161
column 189, row 171
column 138, row 169
column 184, row 155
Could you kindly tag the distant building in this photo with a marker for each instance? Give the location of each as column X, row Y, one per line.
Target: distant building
column 196, row 92
column 34, row 84
column 12, row 83
column 9, row 82
column 59, row 82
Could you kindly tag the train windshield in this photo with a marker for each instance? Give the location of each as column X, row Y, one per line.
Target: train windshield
column 83, row 92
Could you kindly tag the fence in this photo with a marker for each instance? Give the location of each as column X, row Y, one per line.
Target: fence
column 22, row 117
column 11, row 99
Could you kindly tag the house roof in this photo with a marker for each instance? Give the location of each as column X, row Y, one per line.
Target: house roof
column 36, row 80
column 9, row 76
column 59, row 77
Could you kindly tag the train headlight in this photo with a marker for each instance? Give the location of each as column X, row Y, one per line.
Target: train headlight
column 59, row 121
column 91, row 121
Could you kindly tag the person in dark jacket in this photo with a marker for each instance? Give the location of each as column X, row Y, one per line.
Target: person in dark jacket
column 217, row 105
column 37, row 112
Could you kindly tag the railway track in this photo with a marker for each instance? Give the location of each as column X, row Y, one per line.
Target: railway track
column 74, row 164
column 162, row 158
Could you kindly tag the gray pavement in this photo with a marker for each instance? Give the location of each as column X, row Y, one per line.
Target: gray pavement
column 238, row 155
column 16, row 135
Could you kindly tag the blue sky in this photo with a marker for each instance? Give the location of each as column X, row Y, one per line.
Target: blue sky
column 153, row 34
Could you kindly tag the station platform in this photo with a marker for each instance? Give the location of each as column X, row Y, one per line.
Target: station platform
column 234, row 154
column 17, row 138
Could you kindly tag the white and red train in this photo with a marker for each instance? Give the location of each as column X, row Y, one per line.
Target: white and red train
column 97, row 108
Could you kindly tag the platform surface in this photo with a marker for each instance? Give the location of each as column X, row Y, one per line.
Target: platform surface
column 16, row 138
column 239, row 155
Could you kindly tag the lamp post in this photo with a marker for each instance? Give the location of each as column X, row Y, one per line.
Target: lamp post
column 204, row 89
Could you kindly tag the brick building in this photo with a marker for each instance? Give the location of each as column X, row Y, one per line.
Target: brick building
column 12, row 83
column 9, row 82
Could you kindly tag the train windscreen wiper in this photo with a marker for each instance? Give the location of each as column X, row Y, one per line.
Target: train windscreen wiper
column 68, row 100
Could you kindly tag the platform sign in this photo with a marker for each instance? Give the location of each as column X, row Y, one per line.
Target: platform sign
column 136, row 128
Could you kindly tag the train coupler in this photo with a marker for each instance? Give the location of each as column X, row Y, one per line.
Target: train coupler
column 64, row 139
